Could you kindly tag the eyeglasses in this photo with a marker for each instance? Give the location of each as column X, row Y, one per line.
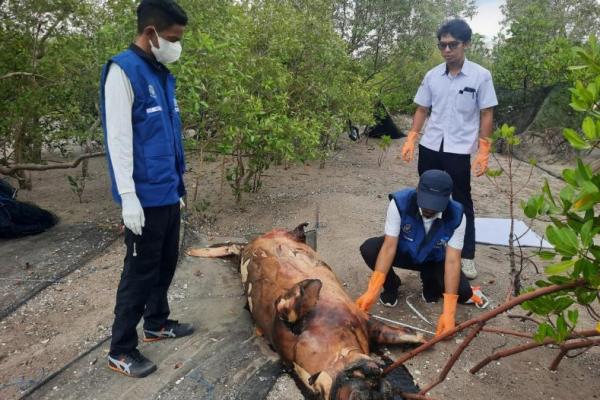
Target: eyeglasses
column 450, row 45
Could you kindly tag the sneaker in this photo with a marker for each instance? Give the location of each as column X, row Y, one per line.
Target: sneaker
column 389, row 298
column 171, row 330
column 468, row 268
column 132, row 364
column 478, row 298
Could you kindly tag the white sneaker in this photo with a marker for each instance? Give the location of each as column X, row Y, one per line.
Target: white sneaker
column 468, row 268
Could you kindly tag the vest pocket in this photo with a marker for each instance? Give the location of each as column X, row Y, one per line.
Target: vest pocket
column 160, row 169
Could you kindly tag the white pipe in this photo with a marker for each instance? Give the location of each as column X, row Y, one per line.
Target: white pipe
column 401, row 324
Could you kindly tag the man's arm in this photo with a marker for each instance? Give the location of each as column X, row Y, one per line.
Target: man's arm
column 386, row 254
column 486, row 123
column 480, row 165
column 382, row 267
column 423, row 102
column 419, row 119
column 452, row 270
column 408, row 149
column 446, row 321
column 118, row 99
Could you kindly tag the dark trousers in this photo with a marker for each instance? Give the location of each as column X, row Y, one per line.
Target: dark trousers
column 148, row 270
column 458, row 166
column 432, row 274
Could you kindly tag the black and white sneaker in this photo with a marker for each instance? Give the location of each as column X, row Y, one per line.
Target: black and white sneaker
column 389, row 298
column 132, row 364
column 171, row 330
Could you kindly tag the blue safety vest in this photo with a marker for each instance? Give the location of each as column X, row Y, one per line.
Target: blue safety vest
column 413, row 244
column 158, row 157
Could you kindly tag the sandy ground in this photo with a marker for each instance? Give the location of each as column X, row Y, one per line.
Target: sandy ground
column 224, row 359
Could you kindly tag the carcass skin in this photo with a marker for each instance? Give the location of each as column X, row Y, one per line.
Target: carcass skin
column 303, row 311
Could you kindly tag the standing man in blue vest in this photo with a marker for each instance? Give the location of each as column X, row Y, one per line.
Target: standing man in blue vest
column 424, row 231
column 142, row 130
column 461, row 97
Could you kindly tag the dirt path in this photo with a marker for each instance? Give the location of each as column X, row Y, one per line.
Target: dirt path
column 224, row 360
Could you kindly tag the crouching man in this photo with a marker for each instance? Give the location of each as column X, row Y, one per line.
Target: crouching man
column 424, row 231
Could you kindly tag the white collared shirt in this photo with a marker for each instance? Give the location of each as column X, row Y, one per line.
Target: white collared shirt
column 456, row 102
column 393, row 224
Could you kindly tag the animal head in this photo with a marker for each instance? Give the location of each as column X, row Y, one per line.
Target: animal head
column 362, row 380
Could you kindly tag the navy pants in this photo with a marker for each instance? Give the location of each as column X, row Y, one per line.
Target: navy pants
column 148, row 270
column 432, row 274
column 458, row 166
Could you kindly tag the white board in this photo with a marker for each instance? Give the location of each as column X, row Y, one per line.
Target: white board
column 496, row 231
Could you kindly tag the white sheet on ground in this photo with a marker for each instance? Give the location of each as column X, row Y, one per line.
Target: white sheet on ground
column 496, row 231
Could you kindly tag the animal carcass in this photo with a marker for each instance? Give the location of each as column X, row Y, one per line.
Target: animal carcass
column 303, row 311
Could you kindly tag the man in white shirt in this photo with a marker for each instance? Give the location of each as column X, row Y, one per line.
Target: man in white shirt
column 146, row 162
column 424, row 231
column 461, row 97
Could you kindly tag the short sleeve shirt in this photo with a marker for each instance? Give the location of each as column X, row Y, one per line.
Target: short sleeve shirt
column 456, row 102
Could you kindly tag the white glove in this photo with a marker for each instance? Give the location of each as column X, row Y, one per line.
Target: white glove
column 181, row 203
column 133, row 213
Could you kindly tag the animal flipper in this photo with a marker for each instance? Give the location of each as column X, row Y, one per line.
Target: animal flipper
column 217, row 251
column 298, row 301
column 381, row 333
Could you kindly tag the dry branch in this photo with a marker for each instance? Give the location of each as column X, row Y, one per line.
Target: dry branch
column 19, row 73
column 485, row 317
column 415, row 396
column 454, row 358
column 502, row 331
column 9, row 170
column 576, row 344
column 533, row 344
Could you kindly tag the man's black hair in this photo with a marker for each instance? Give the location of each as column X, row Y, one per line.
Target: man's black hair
column 457, row 28
column 160, row 13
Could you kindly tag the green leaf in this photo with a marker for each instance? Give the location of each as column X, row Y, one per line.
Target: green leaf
column 583, row 172
column 573, row 316
column 586, row 233
column 559, row 268
column 575, row 140
column 562, row 329
column 589, row 128
column 546, row 254
column 566, row 196
column 564, row 240
column 562, row 303
column 559, row 280
column 585, row 296
column 544, row 330
column 569, row 177
column 546, row 190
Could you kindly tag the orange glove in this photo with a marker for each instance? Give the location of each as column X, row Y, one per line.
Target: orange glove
column 446, row 321
column 366, row 301
column 408, row 149
column 480, row 165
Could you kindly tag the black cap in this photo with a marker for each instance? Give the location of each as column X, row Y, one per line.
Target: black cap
column 435, row 188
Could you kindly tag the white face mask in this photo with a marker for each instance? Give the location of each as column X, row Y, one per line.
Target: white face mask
column 167, row 52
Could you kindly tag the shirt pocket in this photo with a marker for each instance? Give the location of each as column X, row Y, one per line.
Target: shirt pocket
column 466, row 102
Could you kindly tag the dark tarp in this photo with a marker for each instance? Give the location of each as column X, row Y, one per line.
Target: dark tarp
column 21, row 219
column 384, row 125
